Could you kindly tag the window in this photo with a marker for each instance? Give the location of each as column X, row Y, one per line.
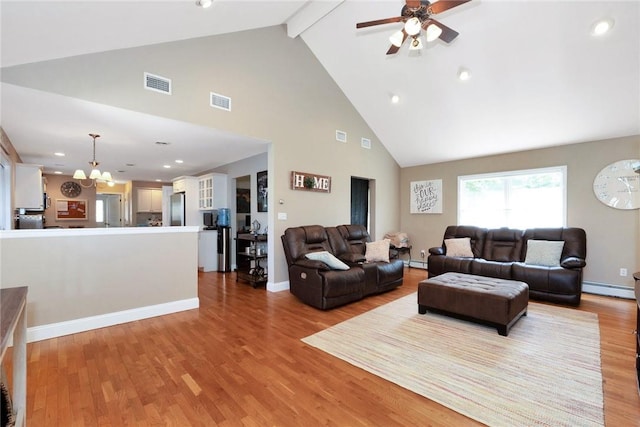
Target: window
column 99, row 211
column 517, row 199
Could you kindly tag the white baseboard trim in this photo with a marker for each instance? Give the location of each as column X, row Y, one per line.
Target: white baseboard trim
column 278, row 287
column 608, row 290
column 53, row 330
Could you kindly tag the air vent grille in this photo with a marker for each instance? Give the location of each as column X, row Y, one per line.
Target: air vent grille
column 157, row 83
column 220, row 101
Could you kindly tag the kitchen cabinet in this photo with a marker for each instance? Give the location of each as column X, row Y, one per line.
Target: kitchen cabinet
column 29, row 189
column 212, row 191
column 149, row 200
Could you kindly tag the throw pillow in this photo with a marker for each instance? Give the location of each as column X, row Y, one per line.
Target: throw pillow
column 459, row 247
column 544, row 252
column 377, row 251
column 324, row 256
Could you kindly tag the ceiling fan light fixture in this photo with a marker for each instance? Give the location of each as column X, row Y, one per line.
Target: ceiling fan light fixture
column 433, row 32
column 412, row 26
column 397, row 38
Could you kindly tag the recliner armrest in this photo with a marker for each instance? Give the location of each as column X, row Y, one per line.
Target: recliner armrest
column 438, row 250
column 311, row 263
column 573, row 262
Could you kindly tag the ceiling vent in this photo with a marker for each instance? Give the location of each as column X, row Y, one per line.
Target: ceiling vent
column 220, row 101
column 157, row 83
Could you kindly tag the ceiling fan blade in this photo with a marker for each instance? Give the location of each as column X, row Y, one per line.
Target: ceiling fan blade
column 442, row 5
column 447, row 33
column 394, row 49
column 378, row 22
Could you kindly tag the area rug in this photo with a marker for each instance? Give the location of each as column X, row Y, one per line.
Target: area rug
column 545, row 373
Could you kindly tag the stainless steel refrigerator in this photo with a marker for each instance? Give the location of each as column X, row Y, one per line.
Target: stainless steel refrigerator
column 177, row 211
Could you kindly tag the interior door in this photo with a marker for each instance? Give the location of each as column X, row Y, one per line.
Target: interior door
column 108, row 210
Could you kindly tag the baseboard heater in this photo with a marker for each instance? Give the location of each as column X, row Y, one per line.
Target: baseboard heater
column 608, row 290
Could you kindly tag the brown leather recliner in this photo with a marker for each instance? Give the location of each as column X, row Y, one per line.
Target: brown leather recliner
column 316, row 284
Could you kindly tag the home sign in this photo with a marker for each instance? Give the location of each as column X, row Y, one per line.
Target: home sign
column 310, row 182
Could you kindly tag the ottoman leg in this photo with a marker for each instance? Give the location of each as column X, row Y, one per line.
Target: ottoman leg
column 422, row 309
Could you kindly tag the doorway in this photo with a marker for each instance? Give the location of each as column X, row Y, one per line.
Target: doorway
column 360, row 201
column 108, row 210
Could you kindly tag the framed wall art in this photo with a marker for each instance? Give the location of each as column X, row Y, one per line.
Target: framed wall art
column 426, row 197
column 263, row 191
column 71, row 209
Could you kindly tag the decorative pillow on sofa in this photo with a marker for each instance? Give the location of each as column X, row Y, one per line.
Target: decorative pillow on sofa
column 459, row 247
column 544, row 252
column 377, row 251
column 324, row 256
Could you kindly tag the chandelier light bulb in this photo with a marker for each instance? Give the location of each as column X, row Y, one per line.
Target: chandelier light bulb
column 412, row 26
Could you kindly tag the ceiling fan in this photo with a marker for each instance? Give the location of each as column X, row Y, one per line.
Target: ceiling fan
column 416, row 16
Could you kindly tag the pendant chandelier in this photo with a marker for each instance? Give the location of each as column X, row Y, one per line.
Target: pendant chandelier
column 95, row 175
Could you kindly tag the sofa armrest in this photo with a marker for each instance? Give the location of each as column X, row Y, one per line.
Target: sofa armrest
column 310, row 263
column 352, row 258
column 573, row 262
column 438, row 250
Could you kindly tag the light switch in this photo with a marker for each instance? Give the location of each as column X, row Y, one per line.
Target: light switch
column 282, row 216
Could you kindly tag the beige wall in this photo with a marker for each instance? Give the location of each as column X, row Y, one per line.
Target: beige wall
column 280, row 94
column 612, row 234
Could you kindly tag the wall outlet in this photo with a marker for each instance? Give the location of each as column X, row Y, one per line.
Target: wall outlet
column 421, row 253
column 623, row 272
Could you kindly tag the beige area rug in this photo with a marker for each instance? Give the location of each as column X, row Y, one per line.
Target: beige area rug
column 545, row 373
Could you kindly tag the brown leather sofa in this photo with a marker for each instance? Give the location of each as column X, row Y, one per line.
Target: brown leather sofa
column 501, row 253
column 316, row 284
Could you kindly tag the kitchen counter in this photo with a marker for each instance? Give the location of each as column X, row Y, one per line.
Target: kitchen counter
column 86, row 278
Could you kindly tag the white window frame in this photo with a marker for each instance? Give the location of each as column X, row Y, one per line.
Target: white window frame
column 554, row 169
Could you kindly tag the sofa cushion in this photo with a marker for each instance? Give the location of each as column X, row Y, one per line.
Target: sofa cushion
column 503, row 245
column 324, row 256
column 459, row 247
column 544, row 252
column 377, row 251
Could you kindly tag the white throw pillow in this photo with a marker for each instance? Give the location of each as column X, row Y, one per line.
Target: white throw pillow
column 324, row 256
column 544, row 252
column 459, row 247
column 377, row 251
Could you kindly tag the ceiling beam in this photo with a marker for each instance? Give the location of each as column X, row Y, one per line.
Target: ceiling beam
column 309, row 14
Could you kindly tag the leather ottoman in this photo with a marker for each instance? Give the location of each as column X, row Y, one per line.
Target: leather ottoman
column 496, row 302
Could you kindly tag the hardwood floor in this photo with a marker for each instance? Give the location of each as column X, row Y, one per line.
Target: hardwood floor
column 238, row 360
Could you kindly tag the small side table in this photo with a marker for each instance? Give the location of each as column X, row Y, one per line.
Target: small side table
column 399, row 252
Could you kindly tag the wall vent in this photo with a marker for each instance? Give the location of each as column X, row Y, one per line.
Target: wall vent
column 157, row 83
column 220, row 101
column 341, row 136
column 365, row 143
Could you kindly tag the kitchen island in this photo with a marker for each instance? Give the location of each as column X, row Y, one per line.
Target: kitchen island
column 87, row 278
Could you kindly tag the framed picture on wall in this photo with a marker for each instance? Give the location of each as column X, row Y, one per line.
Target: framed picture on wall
column 262, row 191
column 71, row 209
column 426, row 197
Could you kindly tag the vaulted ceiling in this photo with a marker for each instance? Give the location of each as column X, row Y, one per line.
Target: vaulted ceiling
column 539, row 78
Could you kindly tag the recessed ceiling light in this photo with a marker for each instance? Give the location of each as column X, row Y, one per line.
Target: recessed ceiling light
column 602, row 27
column 464, row 74
column 167, row 166
column 130, row 164
column 162, row 143
column 158, row 180
column 179, row 161
column 59, row 154
column 204, row 3
column 395, row 99
column 58, row 173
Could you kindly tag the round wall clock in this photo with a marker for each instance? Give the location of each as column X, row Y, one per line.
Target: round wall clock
column 618, row 184
column 70, row 189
